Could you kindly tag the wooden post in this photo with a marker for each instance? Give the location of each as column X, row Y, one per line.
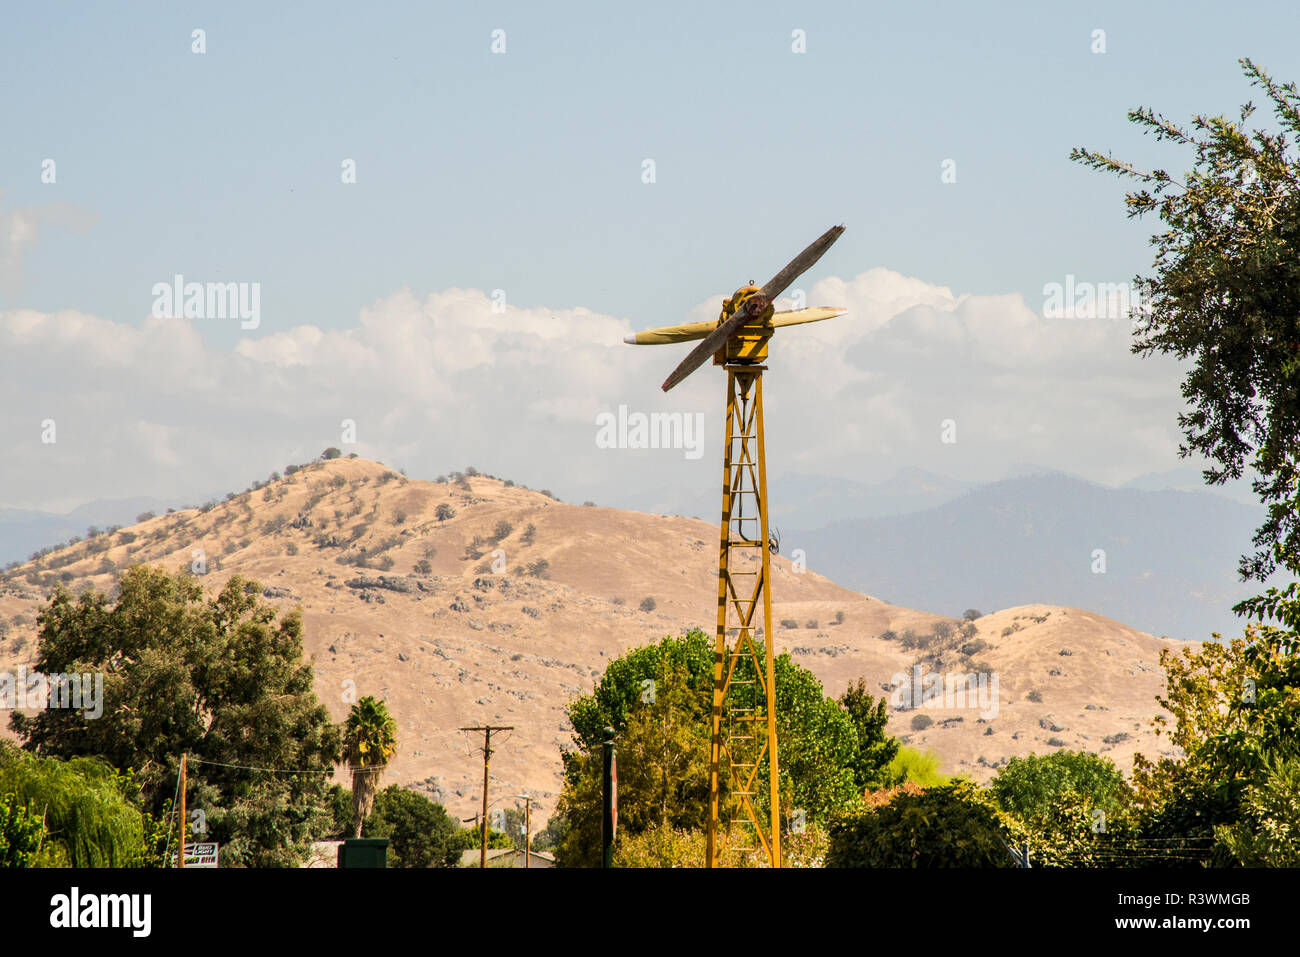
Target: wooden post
column 487, row 754
column 528, row 831
column 180, row 857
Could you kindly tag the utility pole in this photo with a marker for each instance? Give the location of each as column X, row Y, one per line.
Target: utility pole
column 528, row 831
column 487, row 730
column 609, row 795
column 180, row 858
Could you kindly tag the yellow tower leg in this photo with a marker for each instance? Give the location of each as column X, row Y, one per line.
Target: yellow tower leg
column 744, row 680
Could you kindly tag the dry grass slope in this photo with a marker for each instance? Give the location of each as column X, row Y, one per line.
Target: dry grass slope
column 476, row 602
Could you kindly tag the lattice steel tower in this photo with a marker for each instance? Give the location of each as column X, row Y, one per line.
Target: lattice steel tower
column 744, row 793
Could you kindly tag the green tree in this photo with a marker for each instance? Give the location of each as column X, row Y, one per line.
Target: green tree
column 219, row 679
column 419, row 831
column 915, row 766
column 369, row 741
column 1268, row 833
column 658, row 699
column 1226, row 297
column 1235, row 707
column 83, row 812
column 955, row 825
column 1026, row 787
column 21, row 832
column 331, row 453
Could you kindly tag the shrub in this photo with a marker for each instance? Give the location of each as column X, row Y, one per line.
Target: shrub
column 539, row 568
column 789, row 623
column 144, row 517
column 921, row 721
column 502, row 530
column 953, row 825
column 647, row 604
column 443, row 512
column 1035, row 696
column 422, row 567
column 331, row 453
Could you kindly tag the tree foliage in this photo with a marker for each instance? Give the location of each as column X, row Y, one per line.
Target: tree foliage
column 1235, row 707
column 217, row 678
column 1026, row 787
column 1226, row 296
column 658, row 699
column 83, row 812
column 420, row 832
column 21, row 832
column 1268, row 832
column 954, row 825
column 369, row 741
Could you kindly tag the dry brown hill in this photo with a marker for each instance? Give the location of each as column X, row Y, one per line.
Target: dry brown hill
column 427, row 623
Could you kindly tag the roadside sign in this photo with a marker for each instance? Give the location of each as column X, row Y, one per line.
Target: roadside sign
column 199, row 855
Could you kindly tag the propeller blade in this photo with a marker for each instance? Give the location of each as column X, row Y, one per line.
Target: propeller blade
column 802, row 263
column 691, row 331
column 755, row 303
column 795, row 317
column 716, row 339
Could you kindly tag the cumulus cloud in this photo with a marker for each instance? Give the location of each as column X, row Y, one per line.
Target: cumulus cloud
column 445, row 381
column 20, row 229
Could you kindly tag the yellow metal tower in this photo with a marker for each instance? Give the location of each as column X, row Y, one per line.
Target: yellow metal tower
column 743, row 753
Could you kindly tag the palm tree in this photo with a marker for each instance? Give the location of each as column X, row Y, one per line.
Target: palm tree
column 369, row 741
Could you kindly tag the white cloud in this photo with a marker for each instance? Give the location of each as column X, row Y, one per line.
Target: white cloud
column 20, row 229
column 443, row 382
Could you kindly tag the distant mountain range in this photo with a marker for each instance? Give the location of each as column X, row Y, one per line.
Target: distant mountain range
column 1170, row 557
column 23, row 531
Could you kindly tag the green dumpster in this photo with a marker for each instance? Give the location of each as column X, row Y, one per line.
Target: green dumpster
column 364, row 852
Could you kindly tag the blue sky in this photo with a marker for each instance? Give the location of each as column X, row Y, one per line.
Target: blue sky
column 522, row 171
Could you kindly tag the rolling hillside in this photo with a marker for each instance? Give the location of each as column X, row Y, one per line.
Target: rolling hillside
column 407, row 604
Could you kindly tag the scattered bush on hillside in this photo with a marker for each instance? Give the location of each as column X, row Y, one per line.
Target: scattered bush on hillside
column 921, row 721
column 647, row 604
